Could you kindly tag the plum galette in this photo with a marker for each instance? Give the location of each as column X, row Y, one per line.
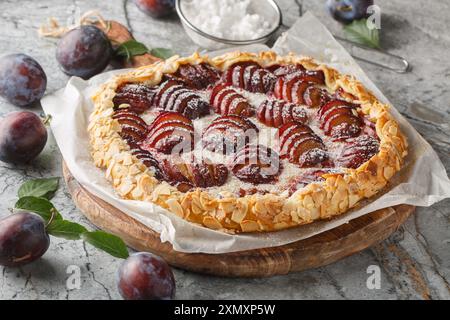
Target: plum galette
column 244, row 142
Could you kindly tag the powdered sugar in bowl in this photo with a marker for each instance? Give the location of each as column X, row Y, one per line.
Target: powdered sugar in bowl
column 217, row 24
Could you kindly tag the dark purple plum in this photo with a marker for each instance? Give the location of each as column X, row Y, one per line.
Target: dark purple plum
column 346, row 11
column 22, row 137
column 22, row 79
column 156, row 8
column 145, row 276
column 84, row 52
column 23, row 239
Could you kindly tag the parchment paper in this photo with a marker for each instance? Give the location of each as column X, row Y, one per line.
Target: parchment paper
column 422, row 182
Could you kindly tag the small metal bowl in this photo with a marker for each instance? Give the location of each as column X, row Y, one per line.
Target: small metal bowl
column 265, row 8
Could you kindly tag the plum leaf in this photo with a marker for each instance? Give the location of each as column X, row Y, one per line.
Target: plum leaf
column 44, row 188
column 131, row 48
column 360, row 33
column 41, row 206
column 66, row 229
column 161, row 53
column 106, row 242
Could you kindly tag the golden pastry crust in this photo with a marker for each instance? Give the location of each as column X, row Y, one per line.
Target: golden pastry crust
column 320, row 200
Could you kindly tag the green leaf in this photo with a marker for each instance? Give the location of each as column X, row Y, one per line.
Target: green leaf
column 41, row 206
column 162, row 53
column 130, row 49
column 66, row 229
column 107, row 242
column 44, row 188
column 358, row 32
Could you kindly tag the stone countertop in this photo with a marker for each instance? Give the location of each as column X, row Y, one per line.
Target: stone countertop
column 414, row 261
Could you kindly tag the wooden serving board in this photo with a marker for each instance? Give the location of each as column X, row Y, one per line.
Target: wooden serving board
column 313, row 252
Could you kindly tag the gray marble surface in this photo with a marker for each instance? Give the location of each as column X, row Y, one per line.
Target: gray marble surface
column 414, row 262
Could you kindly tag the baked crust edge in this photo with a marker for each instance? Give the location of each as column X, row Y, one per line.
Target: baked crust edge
column 340, row 192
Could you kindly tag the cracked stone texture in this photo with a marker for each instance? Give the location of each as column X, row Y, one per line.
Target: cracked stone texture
column 414, row 262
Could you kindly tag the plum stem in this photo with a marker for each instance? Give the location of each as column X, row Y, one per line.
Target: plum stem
column 52, row 217
column 46, row 121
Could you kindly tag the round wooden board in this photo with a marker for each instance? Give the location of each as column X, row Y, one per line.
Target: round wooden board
column 313, row 252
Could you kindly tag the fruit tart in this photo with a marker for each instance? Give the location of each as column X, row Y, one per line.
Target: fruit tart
column 244, row 142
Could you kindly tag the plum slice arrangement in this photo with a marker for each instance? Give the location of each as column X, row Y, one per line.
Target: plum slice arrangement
column 187, row 174
column 229, row 134
column 134, row 128
column 133, row 131
column 198, row 76
column 300, row 145
column 275, row 113
column 317, row 131
column 170, row 132
column 138, row 97
column 339, row 119
column 357, row 151
column 149, row 161
column 301, row 87
column 250, row 76
column 174, row 95
column 256, row 164
column 284, row 70
column 227, row 101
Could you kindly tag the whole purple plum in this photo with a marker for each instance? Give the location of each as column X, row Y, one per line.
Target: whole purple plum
column 22, row 79
column 23, row 239
column 156, row 8
column 84, row 52
column 22, row 137
column 346, row 11
column 145, row 276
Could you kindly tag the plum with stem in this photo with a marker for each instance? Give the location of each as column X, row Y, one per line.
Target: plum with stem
column 23, row 239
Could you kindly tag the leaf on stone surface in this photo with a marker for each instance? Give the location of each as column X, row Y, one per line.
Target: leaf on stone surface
column 66, row 229
column 44, row 188
column 162, row 53
column 360, row 33
column 107, row 242
column 130, row 49
column 41, row 206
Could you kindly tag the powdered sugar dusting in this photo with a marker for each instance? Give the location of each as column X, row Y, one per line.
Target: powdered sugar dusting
column 267, row 136
column 228, row 19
